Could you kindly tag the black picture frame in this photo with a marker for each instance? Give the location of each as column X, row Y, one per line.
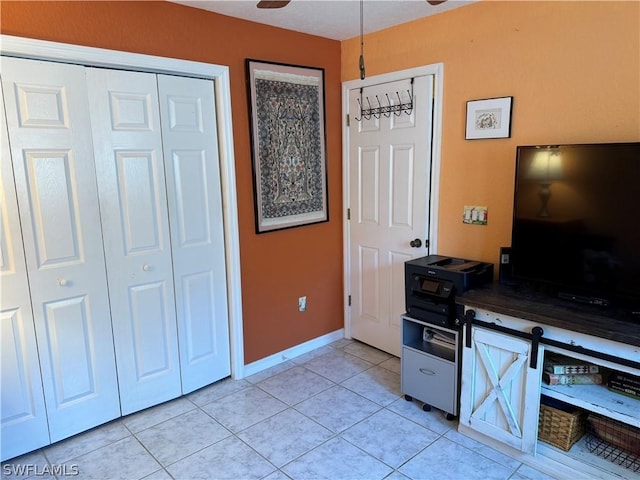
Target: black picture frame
column 288, row 144
column 489, row 118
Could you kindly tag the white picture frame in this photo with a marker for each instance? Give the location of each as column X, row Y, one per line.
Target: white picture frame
column 489, row 118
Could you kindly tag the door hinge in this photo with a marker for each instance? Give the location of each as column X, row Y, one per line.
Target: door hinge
column 348, row 214
column 349, row 300
column 348, row 121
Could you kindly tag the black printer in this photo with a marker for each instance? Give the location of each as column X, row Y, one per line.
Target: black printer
column 431, row 284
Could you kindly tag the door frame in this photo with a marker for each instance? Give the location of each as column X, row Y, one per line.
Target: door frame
column 437, row 70
column 98, row 57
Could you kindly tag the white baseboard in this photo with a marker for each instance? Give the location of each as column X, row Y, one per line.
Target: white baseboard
column 289, row 353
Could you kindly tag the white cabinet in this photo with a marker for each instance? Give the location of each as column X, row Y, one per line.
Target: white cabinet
column 499, row 389
column 501, row 393
column 118, row 186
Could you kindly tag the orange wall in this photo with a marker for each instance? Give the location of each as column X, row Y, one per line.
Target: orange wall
column 277, row 267
column 573, row 69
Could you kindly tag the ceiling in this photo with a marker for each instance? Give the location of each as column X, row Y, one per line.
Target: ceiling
column 335, row 19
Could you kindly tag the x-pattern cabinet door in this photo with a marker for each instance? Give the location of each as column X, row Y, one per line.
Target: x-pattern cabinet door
column 500, row 392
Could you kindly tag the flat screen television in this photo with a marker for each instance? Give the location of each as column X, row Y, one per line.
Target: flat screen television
column 576, row 222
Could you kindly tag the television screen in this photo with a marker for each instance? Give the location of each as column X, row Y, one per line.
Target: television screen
column 576, row 223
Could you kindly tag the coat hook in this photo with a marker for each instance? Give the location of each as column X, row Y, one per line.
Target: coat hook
column 366, row 113
column 398, row 111
column 388, row 109
column 370, row 110
column 378, row 109
column 360, row 108
column 409, row 105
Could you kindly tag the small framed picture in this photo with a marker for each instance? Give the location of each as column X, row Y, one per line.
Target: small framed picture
column 489, row 118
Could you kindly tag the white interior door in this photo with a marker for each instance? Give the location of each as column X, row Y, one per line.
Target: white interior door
column 192, row 168
column 125, row 120
column 389, row 177
column 24, row 418
column 48, row 121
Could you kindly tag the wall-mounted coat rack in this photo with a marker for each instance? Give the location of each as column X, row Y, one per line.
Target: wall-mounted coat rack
column 376, row 108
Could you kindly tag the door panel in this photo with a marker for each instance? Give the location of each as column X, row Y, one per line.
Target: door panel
column 68, row 332
column 23, row 415
column 54, row 206
column 139, row 197
column 52, row 154
column 131, row 183
column 192, row 167
column 369, row 261
column 401, row 195
column 501, row 395
column 389, row 171
column 369, row 185
column 151, row 351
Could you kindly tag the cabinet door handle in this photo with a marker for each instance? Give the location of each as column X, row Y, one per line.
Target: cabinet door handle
column 427, row 372
column 468, row 321
column 536, row 334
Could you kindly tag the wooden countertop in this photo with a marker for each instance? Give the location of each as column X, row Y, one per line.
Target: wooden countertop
column 526, row 304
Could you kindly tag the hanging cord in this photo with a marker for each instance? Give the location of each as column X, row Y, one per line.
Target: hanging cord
column 361, row 60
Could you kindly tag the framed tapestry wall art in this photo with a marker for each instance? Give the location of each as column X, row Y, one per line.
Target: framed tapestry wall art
column 288, row 144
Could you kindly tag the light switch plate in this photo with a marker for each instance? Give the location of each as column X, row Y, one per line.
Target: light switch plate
column 475, row 215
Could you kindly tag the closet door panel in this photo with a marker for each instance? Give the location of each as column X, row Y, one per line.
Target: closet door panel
column 48, row 122
column 192, row 168
column 131, row 183
column 23, row 420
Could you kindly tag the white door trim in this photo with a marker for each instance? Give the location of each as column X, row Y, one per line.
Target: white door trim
column 98, row 57
column 437, row 70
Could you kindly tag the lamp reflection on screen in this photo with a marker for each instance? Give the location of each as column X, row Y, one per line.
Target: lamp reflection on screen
column 546, row 167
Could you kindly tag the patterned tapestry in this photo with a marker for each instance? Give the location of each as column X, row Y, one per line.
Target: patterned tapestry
column 289, row 132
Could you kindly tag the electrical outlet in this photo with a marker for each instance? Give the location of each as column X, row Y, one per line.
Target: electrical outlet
column 302, row 304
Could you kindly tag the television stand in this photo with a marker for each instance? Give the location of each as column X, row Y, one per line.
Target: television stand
column 501, row 409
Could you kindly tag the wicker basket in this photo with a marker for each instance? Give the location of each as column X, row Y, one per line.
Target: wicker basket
column 560, row 424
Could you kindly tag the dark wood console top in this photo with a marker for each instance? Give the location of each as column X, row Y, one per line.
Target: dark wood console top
column 547, row 310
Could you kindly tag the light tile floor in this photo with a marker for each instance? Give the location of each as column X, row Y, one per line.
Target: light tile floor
column 334, row 413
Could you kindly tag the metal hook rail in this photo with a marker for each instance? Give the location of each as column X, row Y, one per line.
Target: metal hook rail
column 378, row 110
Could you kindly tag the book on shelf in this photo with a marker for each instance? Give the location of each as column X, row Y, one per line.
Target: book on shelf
column 625, row 384
column 626, row 378
column 563, row 365
column 572, row 378
column 630, row 392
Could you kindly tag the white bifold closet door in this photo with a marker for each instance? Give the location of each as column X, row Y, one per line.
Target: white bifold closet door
column 52, row 155
column 22, row 410
column 125, row 121
column 117, row 209
column 187, row 110
column 160, row 197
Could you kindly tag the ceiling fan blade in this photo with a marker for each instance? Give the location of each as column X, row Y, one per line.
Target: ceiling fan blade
column 435, row 2
column 273, row 4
